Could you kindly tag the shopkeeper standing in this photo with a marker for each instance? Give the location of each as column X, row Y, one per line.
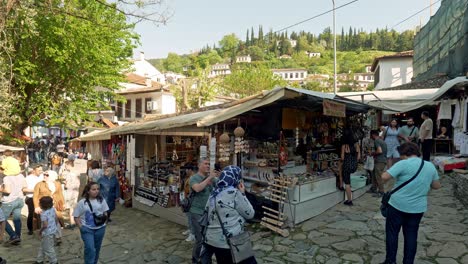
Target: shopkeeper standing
column 202, row 183
column 425, row 135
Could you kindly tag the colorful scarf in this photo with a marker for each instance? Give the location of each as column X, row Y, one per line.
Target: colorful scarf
column 229, row 178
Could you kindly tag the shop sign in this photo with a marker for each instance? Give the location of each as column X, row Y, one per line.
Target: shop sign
column 331, row 108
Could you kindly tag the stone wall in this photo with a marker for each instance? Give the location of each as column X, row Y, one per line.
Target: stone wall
column 460, row 187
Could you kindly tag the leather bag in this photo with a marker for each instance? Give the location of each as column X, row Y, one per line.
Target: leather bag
column 240, row 245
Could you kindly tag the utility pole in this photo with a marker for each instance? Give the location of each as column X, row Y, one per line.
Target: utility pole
column 334, row 49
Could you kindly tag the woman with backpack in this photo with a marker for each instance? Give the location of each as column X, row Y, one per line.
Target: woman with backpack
column 350, row 154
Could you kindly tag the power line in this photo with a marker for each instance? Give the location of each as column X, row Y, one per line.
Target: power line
column 316, row 16
column 198, row 59
column 415, row 14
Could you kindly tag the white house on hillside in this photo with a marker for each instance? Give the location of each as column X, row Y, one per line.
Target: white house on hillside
column 393, row 70
column 292, row 41
column 219, row 69
column 142, row 67
column 144, row 92
column 246, row 58
column 314, row 54
column 291, row 74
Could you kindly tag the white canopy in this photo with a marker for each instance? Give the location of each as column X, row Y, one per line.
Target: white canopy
column 5, row 147
column 401, row 101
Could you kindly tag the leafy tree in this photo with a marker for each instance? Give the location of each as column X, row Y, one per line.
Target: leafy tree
column 228, row 45
column 285, row 47
column 247, row 41
column 261, row 41
column 256, row 53
column 313, row 86
column 250, row 80
column 173, row 63
column 56, row 53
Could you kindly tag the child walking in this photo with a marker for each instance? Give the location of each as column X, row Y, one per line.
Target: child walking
column 91, row 217
column 47, row 233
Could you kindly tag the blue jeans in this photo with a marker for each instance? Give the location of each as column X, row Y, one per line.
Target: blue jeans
column 397, row 219
column 92, row 239
column 15, row 208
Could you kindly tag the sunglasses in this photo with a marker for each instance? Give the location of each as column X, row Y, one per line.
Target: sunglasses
column 46, row 174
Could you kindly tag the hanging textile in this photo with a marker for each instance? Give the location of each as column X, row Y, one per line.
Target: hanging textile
column 456, row 115
column 445, row 110
column 94, row 147
column 465, row 113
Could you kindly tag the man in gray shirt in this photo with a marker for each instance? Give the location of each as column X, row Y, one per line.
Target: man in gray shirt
column 409, row 133
column 380, row 161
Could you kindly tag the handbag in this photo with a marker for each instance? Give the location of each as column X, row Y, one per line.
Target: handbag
column 204, row 221
column 99, row 220
column 386, row 196
column 240, row 245
column 369, row 164
column 186, row 203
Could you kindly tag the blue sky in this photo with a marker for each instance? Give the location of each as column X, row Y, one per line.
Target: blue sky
column 196, row 23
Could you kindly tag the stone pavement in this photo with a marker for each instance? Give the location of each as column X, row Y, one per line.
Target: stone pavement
column 340, row 235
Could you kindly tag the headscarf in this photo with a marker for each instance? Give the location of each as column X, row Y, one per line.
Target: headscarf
column 229, row 178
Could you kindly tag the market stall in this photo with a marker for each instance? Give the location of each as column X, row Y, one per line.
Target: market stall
column 285, row 137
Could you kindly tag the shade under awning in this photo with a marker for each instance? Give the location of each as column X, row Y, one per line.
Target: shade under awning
column 96, row 135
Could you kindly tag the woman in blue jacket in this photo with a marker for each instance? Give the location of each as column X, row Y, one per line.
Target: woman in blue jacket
column 110, row 189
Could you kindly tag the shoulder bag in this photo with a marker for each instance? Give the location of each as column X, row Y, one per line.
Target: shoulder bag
column 99, row 220
column 186, row 203
column 386, row 196
column 411, row 133
column 240, row 245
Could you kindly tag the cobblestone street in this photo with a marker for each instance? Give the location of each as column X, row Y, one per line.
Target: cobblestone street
column 340, row 235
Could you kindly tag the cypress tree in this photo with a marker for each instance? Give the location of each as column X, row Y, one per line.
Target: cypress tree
column 247, row 41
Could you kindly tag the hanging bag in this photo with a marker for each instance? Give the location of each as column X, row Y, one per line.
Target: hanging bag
column 186, row 203
column 369, row 164
column 240, row 245
column 99, row 220
column 386, row 197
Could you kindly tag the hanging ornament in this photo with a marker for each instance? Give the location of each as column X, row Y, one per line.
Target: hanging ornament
column 224, row 138
column 224, row 146
column 239, row 131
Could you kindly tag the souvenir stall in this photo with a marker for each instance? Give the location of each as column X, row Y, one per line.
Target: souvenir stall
column 160, row 152
column 286, row 141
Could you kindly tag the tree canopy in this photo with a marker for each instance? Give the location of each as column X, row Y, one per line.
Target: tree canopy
column 60, row 59
column 251, row 79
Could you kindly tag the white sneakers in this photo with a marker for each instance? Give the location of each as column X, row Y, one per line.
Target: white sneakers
column 186, row 232
column 190, row 238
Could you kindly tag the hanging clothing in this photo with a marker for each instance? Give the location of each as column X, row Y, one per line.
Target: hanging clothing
column 465, row 114
column 445, row 110
column 456, row 115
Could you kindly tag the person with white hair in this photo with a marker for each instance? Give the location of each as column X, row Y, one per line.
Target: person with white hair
column 50, row 186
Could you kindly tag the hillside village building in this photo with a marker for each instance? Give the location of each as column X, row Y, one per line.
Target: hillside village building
column 393, row 70
column 219, row 69
column 246, row 59
column 291, row 74
column 314, row 54
column 292, row 41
